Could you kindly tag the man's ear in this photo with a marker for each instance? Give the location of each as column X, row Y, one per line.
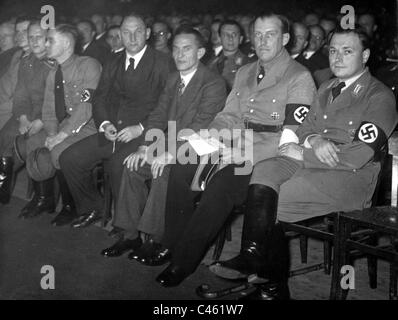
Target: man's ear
column 285, row 38
column 201, row 53
column 168, row 36
column 148, row 33
column 240, row 39
column 365, row 56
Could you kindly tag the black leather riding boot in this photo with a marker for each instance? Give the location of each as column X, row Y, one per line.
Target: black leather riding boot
column 6, row 178
column 43, row 199
column 259, row 220
column 277, row 268
column 68, row 212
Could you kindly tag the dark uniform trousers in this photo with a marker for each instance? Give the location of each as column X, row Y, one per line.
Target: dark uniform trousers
column 78, row 161
column 184, row 231
column 7, row 136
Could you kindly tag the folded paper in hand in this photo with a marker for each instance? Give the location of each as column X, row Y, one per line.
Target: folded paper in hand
column 203, row 146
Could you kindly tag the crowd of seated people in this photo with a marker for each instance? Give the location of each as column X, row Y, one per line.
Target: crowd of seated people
column 92, row 90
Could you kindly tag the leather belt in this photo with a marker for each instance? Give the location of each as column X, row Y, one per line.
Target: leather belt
column 258, row 127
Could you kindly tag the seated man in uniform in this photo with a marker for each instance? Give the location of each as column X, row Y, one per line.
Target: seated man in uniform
column 333, row 166
column 269, row 96
column 191, row 99
column 66, row 116
column 231, row 58
column 27, row 105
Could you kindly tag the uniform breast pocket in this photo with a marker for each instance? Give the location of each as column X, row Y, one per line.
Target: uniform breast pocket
column 348, row 121
column 75, row 92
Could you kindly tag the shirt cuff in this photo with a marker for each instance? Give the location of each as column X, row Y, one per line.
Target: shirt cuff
column 101, row 127
column 142, row 127
column 306, row 144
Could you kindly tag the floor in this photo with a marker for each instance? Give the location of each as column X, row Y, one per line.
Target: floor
column 82, row 273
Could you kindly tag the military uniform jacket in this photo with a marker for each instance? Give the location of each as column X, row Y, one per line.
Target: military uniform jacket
column 358, row 121
column 81, row 76
column 29, row 92
column 228, row 66
column 126, row 98
column 282, row 98
column 8, row 83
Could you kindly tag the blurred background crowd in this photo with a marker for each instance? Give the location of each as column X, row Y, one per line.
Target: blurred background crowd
column 312, row 22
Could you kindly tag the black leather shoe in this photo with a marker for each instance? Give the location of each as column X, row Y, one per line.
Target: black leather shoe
column 43, row 200
column 6, row 179
column 160, row 257
column 172, row 276
column 239, row 267
column 150, row 248
column 66, row 216
column 269, row 291
column 37, row 206
column 122, row 246
column 87, row 219
column 116, row 233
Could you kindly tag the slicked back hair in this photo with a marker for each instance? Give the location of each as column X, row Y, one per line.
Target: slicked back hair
column 231, row 22
column 69, row 30
column 358, row 30
column 284, row 21
column 137, row 16
column 186, row 29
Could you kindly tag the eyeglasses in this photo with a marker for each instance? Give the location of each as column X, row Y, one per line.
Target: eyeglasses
column 160, row 34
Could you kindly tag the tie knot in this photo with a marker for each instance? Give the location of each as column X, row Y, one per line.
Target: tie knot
column 131, row 65
column 337, row 89
column 181, row 86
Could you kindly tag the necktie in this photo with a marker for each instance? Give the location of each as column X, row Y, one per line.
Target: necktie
column 261, row 74
column 181, row 87
column 131, row 65
column 220, row 63
column 60, row 111
column 337, row 90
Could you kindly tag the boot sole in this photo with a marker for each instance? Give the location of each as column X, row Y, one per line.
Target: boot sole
column 227, row 273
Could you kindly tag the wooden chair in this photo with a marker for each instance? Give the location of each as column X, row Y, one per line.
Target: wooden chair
column 322, row 228
column 383, row 221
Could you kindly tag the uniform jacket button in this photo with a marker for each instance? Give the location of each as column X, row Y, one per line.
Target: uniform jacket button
column 120, row 122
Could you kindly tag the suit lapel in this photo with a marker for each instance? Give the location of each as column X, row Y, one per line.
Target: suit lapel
column 190, row 92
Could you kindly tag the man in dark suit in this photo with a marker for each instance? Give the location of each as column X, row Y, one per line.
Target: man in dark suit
column 128, row 91
column 90, row 46
column 191, row 99
column 312, row 57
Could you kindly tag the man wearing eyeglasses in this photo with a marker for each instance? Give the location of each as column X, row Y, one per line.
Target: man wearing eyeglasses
column 161, row 35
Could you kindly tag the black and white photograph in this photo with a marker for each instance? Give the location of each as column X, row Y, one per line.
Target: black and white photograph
column 198, row 155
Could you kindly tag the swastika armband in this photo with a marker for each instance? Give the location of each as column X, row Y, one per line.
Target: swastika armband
column 371, row 134
column 295, row 113
column 86, row 95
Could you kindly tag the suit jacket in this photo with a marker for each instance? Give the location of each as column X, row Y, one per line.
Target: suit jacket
column 286, row 82
column 97, row 50
column 127, row 99
column 202, row 99
column 317, row 61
